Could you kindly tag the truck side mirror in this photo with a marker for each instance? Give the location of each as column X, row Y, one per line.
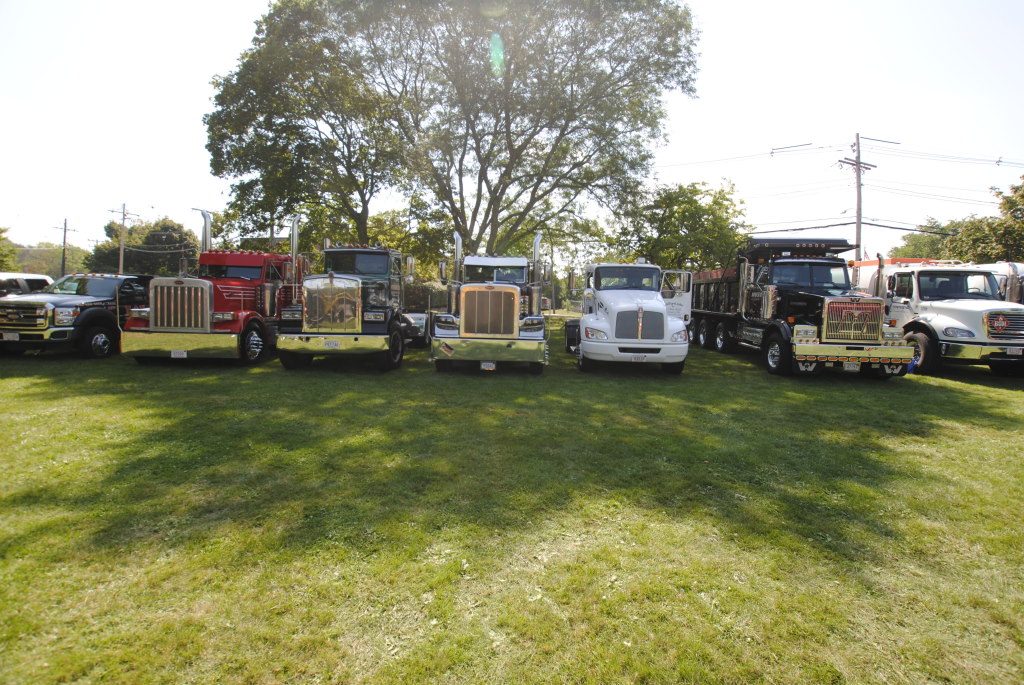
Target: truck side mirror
column 442, row 269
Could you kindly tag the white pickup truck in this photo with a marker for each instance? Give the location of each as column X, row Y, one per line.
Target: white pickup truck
column 951, row 313
column 633, row 313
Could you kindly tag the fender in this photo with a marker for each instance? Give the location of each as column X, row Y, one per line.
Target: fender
column 784, row 330
column 94, row 316
column 918, row 326
column 246, row 317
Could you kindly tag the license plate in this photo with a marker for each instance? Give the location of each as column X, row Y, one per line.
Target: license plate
column 488, row 366
column 332, row 344
column 11, row 337
column 1015, row 351
column 851, row 366
column 638, row 357
column 179, row 354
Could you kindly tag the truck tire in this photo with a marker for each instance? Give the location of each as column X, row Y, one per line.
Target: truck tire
column 673, row 369
column 1006, row 368
column 98, row 342
column 572, row 335
column 778, row 355
column 252, row 345
column 926, row 353
column 722, row 343
column 704, row 334
column 294, row 360
column 391, row 358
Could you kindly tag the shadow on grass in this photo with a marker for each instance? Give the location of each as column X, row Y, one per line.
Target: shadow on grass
column 361, row 458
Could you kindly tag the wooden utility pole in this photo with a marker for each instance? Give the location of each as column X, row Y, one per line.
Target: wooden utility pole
column 858, row 167
column 64, row 250
column 124, row 227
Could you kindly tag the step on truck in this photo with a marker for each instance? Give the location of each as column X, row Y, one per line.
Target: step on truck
column 633, row 313
column 355, row 307
column 493, row 314
column 226, row 312
column 791, row 301
column 950, row 312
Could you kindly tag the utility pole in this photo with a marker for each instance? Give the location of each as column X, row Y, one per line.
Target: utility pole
column 124, row 221
column 64, row 248
column 859, row 168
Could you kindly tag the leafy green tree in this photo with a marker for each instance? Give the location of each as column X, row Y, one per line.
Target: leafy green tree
column 692, row 226
column 7, row 253
column 929, row 245
column 44, row 258
column 150, row 248
column 986, row 239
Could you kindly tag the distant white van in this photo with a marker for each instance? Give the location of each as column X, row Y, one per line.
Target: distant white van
column 12, row 283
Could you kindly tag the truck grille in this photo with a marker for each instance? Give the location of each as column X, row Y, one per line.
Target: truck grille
column 179, row 304
column 627, row 326
column 846, row 320
column 490, row 311
column 331, row 305
column 1005, row 325
column 23, row 316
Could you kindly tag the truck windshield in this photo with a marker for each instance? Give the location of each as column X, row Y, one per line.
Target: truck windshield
column 365, row 263
column 831, row 277
column 83, row 285
column 476, row 273
column 228, row 271
column 626, row 278
column 957, row 285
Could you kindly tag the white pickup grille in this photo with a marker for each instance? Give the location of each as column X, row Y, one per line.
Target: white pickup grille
column 179, row 304
column 853, row 321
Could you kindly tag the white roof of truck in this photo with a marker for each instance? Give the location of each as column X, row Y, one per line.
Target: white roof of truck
column 474, row 260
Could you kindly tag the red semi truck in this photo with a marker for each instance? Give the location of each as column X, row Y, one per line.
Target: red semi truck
column 228, row 311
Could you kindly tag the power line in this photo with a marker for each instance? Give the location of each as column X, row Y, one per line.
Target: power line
column 851, row 223
column 940, row 157
column 931, row 196
column 760, row 155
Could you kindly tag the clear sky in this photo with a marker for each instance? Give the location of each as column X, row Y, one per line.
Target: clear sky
column 102, row 103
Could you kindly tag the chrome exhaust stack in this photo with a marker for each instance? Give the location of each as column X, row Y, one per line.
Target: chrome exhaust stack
column 206, row 242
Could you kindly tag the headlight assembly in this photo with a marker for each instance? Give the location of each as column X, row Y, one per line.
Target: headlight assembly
column 377, row 296
column 594, row 334
column 532, row 324
column 223, row 316
column 954, row 332
column 679, row 337
column 65, row 316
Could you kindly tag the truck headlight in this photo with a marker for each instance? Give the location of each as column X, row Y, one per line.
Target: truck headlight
column 954, row 332
column 679, row 337
column 594, row 334
column 65, row 316
column 140, row 312
column 532, row 324
column 446, row 322
column 223, row 316
column 293, row 314
column 377, row 296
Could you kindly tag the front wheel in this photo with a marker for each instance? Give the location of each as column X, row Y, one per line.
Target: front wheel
column 926, row 354
column 98, row 343
column 722, row 342
column 253, row 345
column 294, row 360
column 391, row 358
column 778, row 355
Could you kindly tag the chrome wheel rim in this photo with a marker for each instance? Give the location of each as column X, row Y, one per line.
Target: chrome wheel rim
column 774, row 354
column 720, row 340
column 253, row 346
column 101, row 344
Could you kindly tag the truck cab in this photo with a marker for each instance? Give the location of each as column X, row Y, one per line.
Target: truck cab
column 632, row 313
column 493, row 314
column 355, row 307
column 951, row 313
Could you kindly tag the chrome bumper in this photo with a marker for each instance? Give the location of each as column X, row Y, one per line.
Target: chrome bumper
column 488, row 350
column 180, row 345
column 874, row 354
column 979, row 353
column 668, row 353
column 331, row 344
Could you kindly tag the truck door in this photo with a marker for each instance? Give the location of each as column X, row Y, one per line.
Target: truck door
column 901, row 297
column 677, row 291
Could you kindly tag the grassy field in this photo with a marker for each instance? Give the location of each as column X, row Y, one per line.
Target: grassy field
column 206, row 523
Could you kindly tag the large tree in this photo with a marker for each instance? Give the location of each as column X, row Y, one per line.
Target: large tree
column 150, row 248
column 505, row 116
column 928, row 244
column 693, row 226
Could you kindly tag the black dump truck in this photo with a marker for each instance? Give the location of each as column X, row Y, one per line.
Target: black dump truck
column 791, row 301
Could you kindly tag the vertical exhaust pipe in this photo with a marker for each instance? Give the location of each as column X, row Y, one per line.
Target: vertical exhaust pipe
column 206, row 243
column 456, row 278
column 536, row 255
column 878, row 281
column 458, row 256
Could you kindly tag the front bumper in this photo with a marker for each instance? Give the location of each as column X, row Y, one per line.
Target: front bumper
column 873, row 354
column 981, row 352
column 37, row 338
column 331, row 344
column 180, row 345
column 665, row 353
column 489, row 350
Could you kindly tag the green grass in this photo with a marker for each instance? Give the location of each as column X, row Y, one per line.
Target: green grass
column 207, row 523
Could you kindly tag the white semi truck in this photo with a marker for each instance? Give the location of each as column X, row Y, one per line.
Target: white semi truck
column 633, row 313
column 952, row 313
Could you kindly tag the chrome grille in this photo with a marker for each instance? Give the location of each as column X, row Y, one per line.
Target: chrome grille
column 490, row 311
column 331, row 305
column 847, row 320
column 1005, row 325
column 627, row 326
column 179, row 304
column 23, row 316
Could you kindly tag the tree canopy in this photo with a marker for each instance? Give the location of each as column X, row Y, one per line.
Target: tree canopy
column 150, row 248
column 7, row 253
column 931, row 245
column 44, row 258
column 500, row 117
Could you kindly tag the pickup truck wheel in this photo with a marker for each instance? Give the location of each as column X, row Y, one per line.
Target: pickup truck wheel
column 1011, row 369
column 673, row 369
column 253, row 346
column 704, row 334
column 294, row 360
column 926, row 354
column 722, row 343
column 391, row 358
column 98, row 343
column 778, row 355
